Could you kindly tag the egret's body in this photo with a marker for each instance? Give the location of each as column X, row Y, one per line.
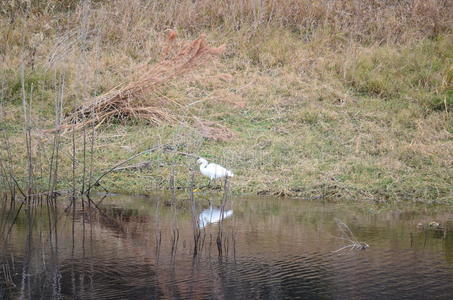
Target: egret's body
column 212, row 215
column 213, row 171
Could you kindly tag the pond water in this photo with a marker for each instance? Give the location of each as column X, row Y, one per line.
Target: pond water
column 264, row 248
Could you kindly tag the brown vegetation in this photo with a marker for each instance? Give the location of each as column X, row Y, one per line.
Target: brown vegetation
column 144, row 98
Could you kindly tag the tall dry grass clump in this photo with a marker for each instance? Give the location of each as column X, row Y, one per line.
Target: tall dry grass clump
column 143, row 98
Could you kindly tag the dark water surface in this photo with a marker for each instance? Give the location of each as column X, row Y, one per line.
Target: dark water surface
column 271, row 248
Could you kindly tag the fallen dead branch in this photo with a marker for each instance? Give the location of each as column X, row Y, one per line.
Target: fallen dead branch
column 115, row 167
column 146, row 164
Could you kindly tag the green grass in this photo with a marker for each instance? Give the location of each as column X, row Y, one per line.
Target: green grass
column 420, row 72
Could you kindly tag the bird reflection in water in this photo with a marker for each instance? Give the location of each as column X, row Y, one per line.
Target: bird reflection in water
column 212, row 215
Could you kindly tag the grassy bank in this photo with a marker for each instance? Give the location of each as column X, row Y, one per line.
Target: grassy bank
column 346, row 100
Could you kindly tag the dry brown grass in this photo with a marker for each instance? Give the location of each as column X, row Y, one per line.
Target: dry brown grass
column 372, row 20
column 144, row 98
column 213, row 130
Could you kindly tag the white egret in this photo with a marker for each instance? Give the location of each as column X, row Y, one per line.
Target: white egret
column 213, row 171
column 212, row 215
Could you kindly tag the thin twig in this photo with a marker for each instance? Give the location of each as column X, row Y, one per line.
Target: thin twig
column 120, row 164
